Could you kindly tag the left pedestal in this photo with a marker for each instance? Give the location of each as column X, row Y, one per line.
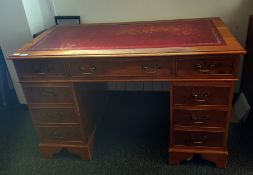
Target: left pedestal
column 63, row 116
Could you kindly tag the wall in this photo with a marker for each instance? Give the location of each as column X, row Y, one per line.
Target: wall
column 46, row 13
column 33, row 14
column 19, row 20
column 39, row 14
column 15, row 29
column 14, row 32
column 235, row 14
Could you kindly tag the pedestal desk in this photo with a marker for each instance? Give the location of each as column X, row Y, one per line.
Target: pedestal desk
column 64, row 71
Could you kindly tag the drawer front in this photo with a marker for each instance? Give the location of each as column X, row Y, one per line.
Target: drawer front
column 49, row 94
column 121, row 67
column 54, row 115
column 206, row 66
column 200, row 118
column 93, row 68
column 40, row 69
column 195, row 95
column 197, row 138
column 60, row 134
column 146, row 67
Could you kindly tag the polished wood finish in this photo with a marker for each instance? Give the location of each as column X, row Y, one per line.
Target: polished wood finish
column 41, row 69
column 48, row 93
column 188, row 138
column 139, row 67
column 219, row 157
column 63, row 133
column 54, row 115
column 48, row 150
column 65, row 90
column 201, row 95
column 214, row 65
column 65, row 115
column 200, row 118
column 199, row 138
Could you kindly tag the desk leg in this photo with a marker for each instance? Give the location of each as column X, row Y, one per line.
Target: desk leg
column 83, row 151
column 91, row 100
column 175, row 158
column 219, row 158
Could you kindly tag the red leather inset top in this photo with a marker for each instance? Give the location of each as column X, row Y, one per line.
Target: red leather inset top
column 185, row 33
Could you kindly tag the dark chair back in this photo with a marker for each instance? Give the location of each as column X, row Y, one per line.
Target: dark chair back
column 69, row 19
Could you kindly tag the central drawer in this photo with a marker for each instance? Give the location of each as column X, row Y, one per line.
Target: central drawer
column 201, row 95
column 144, row 67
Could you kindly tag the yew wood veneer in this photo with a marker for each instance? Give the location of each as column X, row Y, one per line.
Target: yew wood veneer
column 64, row 72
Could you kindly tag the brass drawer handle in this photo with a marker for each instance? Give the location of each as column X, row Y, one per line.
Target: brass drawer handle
column 202, row 69
column 200, row 98
column 198, row 139
column 198, row 142
column 199, row 120
column 47, row 93
column 43, row 69
column 58, row 135
column 41, row 73
column 88, row 71
column 151, row 70
column 56, row 116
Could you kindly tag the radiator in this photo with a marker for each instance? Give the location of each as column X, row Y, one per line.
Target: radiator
column 138, row 86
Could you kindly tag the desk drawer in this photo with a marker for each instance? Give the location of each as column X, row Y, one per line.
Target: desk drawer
column 93, row 68
column 150, row 67
column 54, row 115
column 40, row 69
column 198, row 95
column 206, row 66
column 199, row 138
column 60, row 134
column 48, row 94
column 144, row 67
column 200, row 118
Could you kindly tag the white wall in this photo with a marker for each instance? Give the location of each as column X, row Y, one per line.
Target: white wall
column 39, row 14
column 14, row 32
column 19, row 20
column 33, row 14
column 46, row 13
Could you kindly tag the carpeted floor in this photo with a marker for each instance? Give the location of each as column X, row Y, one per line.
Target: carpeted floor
column 131, row 139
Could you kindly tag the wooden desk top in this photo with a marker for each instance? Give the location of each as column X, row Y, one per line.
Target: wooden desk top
column 174, row 37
